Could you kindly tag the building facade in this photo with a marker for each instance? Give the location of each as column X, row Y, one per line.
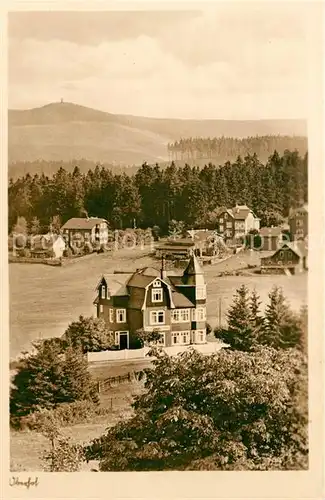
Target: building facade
column 298, row 223
column 149, row 300
column 235, row 223
column 291, row 257
column 271, row 238
column 79, row 230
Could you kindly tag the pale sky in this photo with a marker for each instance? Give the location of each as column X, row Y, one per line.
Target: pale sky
column 237, row 61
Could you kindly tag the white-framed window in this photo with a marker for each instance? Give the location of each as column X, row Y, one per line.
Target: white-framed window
column 226, row 216
column 200, row 314
column 221, row 221
column 157, row 317
column 120, row 315
column 180, row 315
column 221, row 228
column 156, row 283
column 200, row 336
column 229, row 225
column 103, row 292
column 157, row 295
column 101, row 308
column 281, row 254
column 181, row 338
column 201, row 292
column 111, row 315
column 289, row 254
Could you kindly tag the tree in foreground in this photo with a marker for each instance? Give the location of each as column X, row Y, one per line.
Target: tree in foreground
column 88, row 334
column 147, row 338
column 229, row 411
column 63, row 455
column 51, row 375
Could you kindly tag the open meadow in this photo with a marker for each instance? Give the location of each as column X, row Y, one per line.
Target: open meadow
column 45, row 299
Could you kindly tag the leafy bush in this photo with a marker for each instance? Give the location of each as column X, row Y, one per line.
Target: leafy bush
column 67, row 252
column 89, row 334
column 65, row 414
column 232, row 410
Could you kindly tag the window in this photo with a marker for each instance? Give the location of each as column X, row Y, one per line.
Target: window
column 161, row 340
column 180, row 315
column 221, row 220
column 121, row 315
column 221, row 228
column 156, row 283
column 229, row 225
column 111, row 315
column 226, row 216
column 200, row 336
column 181, row 338
column 289, row 255
column 157, row 317
column 201, row 292
column 101, row 308
column 103, row 292
column 157, row 295
column 200, row 314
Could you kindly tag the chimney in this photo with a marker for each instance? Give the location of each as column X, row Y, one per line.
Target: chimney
column 163, row 273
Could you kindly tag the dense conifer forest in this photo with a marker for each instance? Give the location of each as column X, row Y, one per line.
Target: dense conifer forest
column 155, row 195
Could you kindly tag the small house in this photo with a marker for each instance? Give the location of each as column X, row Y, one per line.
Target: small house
column 290, row 257
column 47, row 246
column 78, row 231
column 236, row 222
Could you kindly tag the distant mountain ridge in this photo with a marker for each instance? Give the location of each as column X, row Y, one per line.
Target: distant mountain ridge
column 67, row 131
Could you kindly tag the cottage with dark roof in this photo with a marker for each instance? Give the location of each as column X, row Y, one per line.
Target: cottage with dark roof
column 235, row 223
column 151, row 300
column 291, row 258
column 79, row 230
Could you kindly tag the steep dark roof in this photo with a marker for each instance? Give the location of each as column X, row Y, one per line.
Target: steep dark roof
column 193, row 274
column 180, row 300
column 82, row 223
column 140, row 281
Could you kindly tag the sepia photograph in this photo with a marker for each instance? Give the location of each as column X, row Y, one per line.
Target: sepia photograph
column 157, row 226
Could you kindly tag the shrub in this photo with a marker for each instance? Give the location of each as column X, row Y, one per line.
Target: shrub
column 67, row 253
column 65, row 414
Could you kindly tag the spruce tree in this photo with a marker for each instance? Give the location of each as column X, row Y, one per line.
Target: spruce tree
column 257, row 319
column 282, row 328
column 240, row 334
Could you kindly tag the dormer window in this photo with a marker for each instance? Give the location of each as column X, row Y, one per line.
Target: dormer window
column 157, row 294
column 157, row 283
column 103, row 292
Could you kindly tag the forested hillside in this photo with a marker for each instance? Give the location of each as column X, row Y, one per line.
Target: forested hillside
column 155, row 195
column 64, row 131
column 194, row 151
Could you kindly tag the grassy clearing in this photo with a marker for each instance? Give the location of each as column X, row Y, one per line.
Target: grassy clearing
column 26, row 447
column 44, row 299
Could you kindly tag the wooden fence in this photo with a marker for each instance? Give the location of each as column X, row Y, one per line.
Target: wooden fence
column 106, row 384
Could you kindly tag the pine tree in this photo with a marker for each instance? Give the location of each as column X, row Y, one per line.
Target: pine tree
column 35, row 226
column 282, row 328
column 257, row 319
column 240, row 334
column 49, row 376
